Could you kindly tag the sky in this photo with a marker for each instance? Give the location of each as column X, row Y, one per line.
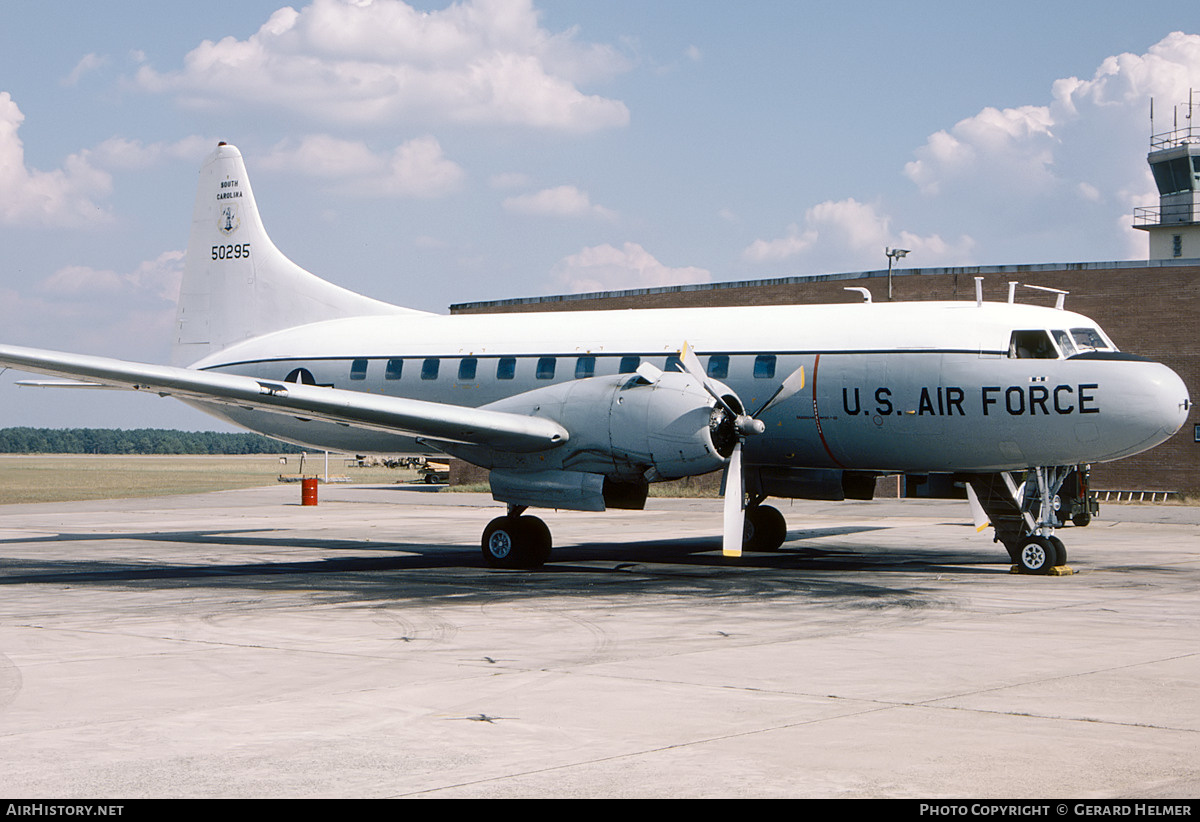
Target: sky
column 428, row 153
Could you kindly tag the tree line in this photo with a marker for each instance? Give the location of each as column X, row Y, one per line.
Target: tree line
column 135, row 441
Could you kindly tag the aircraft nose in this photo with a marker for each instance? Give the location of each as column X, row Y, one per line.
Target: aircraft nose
column 1168, row 397
column 1149, row 405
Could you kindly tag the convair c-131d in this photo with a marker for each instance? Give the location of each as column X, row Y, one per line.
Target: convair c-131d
column 583, row 410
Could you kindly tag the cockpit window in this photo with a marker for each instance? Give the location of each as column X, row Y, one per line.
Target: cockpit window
column 1064, row 342
column 1088, row 339
column 1031, row 345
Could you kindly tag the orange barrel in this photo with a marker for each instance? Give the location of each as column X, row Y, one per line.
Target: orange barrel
column 308, row 491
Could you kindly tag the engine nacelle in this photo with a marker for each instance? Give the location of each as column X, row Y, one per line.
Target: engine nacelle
column 622, row 426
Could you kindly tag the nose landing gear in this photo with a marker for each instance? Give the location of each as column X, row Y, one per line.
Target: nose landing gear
column 1039, row 551
column 1026, row 516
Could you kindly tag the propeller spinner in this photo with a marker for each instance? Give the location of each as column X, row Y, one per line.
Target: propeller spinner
column 734, row 424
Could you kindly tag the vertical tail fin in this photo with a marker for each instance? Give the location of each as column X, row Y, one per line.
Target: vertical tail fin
column 236, row 283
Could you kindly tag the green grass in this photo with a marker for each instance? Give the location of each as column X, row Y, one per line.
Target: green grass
column 73, row 477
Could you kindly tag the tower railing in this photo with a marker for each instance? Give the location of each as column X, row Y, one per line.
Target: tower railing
column 1163, row 215
column 1175, row 137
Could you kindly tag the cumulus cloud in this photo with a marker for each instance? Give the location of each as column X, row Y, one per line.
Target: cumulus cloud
column 789, row 245
column 118, row 153
column 87, row 64
column 64, row 197
column 562, row 201
column 848, row 234
column 152, row 281
column 379, row 62
column 416, row 168
column 1075, row 160
column 80, row 308
column 1015, row 144
column 606, row 268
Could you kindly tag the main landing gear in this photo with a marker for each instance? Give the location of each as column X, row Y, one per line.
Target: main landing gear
column 523, row 542
column 516, row 541
column 763, row 529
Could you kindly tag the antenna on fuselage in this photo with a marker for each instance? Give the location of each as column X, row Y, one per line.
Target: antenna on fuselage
column 1059, row 300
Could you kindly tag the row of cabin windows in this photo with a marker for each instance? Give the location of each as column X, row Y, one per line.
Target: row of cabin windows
column 506, row 367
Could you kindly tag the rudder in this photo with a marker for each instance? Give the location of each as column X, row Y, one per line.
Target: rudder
column 236, row 283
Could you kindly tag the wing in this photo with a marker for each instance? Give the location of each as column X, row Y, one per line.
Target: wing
column 438, row 421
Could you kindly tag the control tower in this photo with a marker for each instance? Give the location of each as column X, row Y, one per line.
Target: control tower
column 1174, row 224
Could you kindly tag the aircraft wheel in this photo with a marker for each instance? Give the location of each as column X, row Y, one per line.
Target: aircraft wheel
column 539, row 541
column 516, row 542
column 765, row 529
column 1037, row 556
column 1060, row 551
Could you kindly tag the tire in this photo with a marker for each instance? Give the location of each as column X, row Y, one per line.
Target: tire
column 765, row 529
column 1082, row 519
column 516, row 542
column 539, row 541
column 1038, row 555
column 1060, row 551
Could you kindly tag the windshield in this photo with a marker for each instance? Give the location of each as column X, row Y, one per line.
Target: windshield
column 1089, row 339
column 1064, row 342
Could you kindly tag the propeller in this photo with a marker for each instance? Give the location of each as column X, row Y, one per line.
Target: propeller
column 744, row 425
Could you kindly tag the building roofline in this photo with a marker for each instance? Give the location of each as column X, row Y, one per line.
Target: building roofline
column 970, row 270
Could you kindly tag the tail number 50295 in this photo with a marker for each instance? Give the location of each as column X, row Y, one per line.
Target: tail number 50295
column 231, row 252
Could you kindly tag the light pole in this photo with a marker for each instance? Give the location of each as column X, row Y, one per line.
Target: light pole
column 893, row 254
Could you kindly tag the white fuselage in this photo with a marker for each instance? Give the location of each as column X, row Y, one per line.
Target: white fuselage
column 917, row 387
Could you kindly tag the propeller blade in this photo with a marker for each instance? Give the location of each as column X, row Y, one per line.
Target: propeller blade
column 649, row 373
column 787, row 388
column 977, row 513
column 691, row 364
column 734, row 516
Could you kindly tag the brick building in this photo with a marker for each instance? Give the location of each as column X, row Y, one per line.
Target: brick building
column 1146, row 307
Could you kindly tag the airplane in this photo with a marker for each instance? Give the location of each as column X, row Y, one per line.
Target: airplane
column 583, row 410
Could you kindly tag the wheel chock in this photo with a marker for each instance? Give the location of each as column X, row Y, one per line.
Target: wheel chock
column 1056, row 571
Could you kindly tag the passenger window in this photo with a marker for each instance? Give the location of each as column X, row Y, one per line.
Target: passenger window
column 764, row 366
column 585, row 367
column 545, row 368
column 358, row 370
column 506, row 368
column 429, row 368
column 718, row 366
column 1031, row 345
column 629, row 365
column 395, row 368
column 466, row 369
